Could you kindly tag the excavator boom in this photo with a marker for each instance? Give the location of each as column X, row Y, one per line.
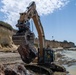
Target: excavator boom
column 22, row 38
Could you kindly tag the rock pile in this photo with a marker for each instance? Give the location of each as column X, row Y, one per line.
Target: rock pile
column 16, row 70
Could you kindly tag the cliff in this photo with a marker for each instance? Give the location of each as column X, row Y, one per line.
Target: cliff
column 56, row 44
column 6, row 32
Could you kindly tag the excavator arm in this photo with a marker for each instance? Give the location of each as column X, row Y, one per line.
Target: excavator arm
column 30, row 13
column 39, row 28
column 24, row 35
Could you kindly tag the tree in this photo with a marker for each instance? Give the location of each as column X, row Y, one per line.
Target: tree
column 65, row 41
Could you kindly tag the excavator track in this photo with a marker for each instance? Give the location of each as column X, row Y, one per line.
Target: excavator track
column 39, row 69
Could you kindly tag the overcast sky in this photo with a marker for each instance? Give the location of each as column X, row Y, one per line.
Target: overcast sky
column 58, row 17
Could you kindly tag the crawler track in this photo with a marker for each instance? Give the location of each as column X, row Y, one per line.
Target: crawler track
column 35, row 68
column 39, row 69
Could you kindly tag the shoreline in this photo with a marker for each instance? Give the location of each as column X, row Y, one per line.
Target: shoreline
column 61, row 58
column 65, row 58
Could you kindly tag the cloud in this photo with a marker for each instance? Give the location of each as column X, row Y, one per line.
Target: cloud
column 12, row 8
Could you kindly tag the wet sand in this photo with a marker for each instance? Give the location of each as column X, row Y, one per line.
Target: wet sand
column 72, row 70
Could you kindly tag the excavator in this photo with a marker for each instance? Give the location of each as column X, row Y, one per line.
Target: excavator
column 24, row 37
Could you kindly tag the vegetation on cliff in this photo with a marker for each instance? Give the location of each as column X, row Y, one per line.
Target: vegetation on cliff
column 6, row 25
column 56, row 44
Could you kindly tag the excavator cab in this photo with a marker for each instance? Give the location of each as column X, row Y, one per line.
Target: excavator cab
column 48, row 56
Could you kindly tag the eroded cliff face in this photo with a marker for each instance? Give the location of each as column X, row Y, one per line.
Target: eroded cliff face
column 6, row 37
column 6, row 32
column 56, row 44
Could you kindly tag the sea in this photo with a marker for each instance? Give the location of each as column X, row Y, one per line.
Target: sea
column 70, row 54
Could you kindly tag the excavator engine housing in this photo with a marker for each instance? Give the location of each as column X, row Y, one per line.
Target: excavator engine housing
column 48, row 56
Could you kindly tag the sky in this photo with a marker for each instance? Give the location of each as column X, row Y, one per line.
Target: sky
column 58, row 17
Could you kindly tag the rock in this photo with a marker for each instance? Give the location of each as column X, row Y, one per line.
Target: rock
column 59, row 55
column 9, row 71
column 59, row 73
column 56, row 67
column 0, row 46
column 1, row 69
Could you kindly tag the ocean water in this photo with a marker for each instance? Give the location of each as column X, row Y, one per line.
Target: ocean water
column 70, row 54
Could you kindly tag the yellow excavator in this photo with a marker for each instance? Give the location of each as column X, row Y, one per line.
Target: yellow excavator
column 25, row 38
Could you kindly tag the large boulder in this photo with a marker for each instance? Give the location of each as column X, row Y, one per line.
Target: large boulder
column 0, row 46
